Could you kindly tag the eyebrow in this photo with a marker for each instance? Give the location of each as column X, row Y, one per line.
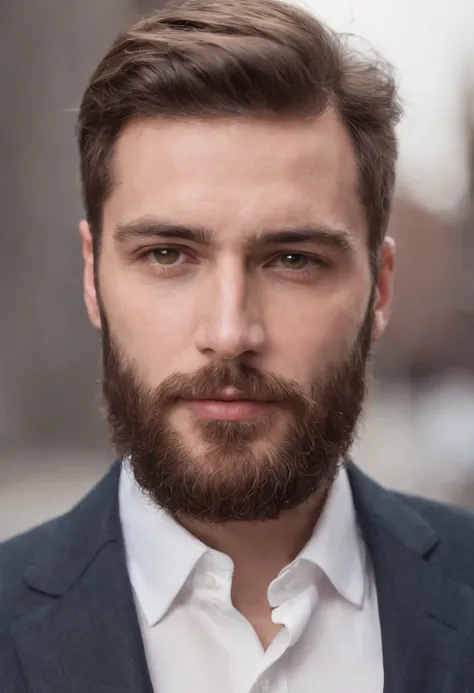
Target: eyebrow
column 150, row 228
column 142, row 229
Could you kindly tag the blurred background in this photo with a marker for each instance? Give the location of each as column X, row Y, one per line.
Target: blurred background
column 418, row 431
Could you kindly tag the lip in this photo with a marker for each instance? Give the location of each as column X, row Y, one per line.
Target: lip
column 230, row 408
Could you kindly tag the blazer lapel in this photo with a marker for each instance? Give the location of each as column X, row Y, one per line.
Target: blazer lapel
column 426, row 618
column 85, row 636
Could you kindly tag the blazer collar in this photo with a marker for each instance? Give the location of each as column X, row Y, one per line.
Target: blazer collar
column 376, row 505
column 73, row 541
column 425, row 617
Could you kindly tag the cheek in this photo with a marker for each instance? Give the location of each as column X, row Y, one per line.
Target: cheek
column 153, row 330
column 310, row 334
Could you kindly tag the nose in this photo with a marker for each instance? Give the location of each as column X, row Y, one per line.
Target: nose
column 231, row 323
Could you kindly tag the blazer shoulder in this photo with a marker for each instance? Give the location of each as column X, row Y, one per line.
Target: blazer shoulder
column 15, row 556
column 44, row 561
column 446, row 518
column 454, row 526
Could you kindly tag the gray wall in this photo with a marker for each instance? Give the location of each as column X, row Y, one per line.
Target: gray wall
column 49, row 357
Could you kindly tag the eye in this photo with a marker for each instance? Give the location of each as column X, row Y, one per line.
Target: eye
column 295, row 261
column 164, row 256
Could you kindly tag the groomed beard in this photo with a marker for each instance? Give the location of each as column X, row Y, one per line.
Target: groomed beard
column 232, row 480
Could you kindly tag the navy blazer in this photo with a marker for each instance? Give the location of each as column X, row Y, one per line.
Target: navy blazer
column 68, row 622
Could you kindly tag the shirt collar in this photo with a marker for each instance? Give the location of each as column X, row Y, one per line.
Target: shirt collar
column 336, row 545
column 160, row 553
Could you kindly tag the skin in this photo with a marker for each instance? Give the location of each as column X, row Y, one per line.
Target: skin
column 282, row 305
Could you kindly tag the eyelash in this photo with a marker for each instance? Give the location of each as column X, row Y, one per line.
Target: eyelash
column 316, row 263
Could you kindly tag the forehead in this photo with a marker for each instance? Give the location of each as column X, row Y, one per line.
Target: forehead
column 235, row 176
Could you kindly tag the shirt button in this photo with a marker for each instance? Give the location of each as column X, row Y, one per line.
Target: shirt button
column 210, row 581
column 265, row 685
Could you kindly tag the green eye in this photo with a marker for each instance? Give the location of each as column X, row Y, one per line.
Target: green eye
column 164, row 256
column 294, row 261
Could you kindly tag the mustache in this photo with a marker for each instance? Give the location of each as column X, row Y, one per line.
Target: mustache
column 250, row 383
column 206, row 383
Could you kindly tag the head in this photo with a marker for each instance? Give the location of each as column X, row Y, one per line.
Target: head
column 238, row 167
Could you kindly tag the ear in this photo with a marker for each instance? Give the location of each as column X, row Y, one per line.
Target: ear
column 384, row 291
column 90, row 294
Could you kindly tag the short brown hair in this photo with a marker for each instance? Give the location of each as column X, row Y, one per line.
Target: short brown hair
column 240, row 58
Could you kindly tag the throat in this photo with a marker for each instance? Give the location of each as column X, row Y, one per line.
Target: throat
column 263, row 625
column 250, row 598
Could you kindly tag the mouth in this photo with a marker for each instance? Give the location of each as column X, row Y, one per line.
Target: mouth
column 230, row 405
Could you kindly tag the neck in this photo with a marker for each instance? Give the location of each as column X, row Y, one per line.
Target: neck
column 259, row 550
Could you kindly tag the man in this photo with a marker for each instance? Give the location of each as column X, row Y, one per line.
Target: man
column 238, row 167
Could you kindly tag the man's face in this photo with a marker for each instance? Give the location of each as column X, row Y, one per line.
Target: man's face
column 237, row 308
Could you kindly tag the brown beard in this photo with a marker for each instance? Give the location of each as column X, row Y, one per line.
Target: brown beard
column 230, row 480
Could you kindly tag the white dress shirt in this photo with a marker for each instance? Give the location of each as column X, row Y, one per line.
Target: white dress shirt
column 196, row 641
